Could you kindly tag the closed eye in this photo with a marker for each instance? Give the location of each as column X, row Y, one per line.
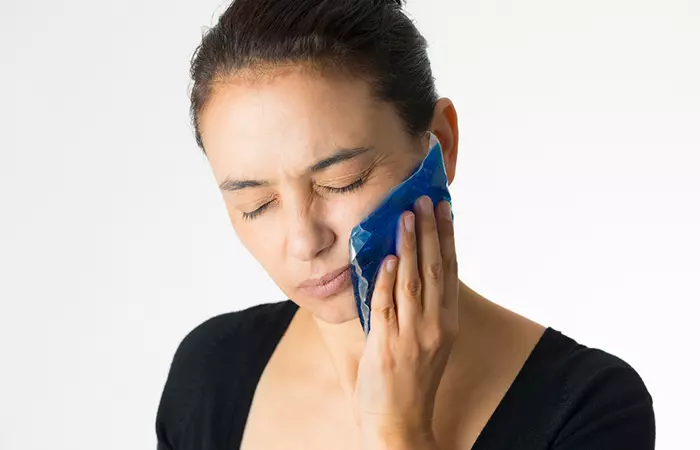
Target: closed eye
column 342, row 190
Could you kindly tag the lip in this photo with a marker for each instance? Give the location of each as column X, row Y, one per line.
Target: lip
column 324, row 279
column 327, row 285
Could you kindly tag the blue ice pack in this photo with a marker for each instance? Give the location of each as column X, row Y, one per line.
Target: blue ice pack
column 375, row 237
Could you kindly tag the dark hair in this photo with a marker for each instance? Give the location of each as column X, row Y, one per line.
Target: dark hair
column 372, row 39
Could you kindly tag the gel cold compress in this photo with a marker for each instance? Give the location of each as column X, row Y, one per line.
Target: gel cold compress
column 375, row 237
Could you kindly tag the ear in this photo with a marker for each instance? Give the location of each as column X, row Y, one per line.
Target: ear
column 444, row 126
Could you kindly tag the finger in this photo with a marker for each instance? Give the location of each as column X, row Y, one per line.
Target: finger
column 383, row 318
column 429, row 258
column 449, row 256
column 407, row 291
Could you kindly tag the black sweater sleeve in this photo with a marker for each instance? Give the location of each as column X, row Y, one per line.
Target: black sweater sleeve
column 607, row 405
column 569, row 396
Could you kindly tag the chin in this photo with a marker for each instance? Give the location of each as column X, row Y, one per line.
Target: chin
column 334, row 310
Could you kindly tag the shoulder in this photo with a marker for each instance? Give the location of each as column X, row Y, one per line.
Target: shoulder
column 584, row 369
column 229, row 336
column 600, row 396
column 216, row 356
column 205, row 340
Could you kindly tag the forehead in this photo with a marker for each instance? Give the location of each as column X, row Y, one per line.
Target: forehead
column 291, row 118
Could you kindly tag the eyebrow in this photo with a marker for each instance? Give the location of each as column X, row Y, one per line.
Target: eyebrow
column 340, row 155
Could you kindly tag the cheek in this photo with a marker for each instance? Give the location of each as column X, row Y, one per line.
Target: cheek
column 344, row 212
column 267, row 247
column 263, row 242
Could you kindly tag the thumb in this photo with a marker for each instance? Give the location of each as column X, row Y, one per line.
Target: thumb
column 384, row 318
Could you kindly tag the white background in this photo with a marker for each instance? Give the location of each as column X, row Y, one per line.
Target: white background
column 577, row 197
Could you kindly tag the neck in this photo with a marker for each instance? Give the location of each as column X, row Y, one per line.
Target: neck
column 344, row 343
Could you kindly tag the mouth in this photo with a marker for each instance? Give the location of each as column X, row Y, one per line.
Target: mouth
column 323, row 279
column 330, row 284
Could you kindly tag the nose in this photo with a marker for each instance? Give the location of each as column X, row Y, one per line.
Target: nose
column 307, row 234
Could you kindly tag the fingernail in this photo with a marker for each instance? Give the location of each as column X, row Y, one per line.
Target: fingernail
column 424, row 204
column 408, row 222
column 391, row 265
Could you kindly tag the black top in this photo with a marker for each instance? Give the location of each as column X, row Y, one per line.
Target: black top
column 566, row 396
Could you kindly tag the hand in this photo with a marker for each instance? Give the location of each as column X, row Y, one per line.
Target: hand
column 414, row 324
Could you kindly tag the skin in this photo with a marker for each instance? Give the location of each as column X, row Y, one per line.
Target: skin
column 435, row 343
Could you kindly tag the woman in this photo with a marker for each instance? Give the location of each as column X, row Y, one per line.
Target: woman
column 309, row 112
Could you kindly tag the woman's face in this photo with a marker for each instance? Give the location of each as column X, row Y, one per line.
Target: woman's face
column 269, row 141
